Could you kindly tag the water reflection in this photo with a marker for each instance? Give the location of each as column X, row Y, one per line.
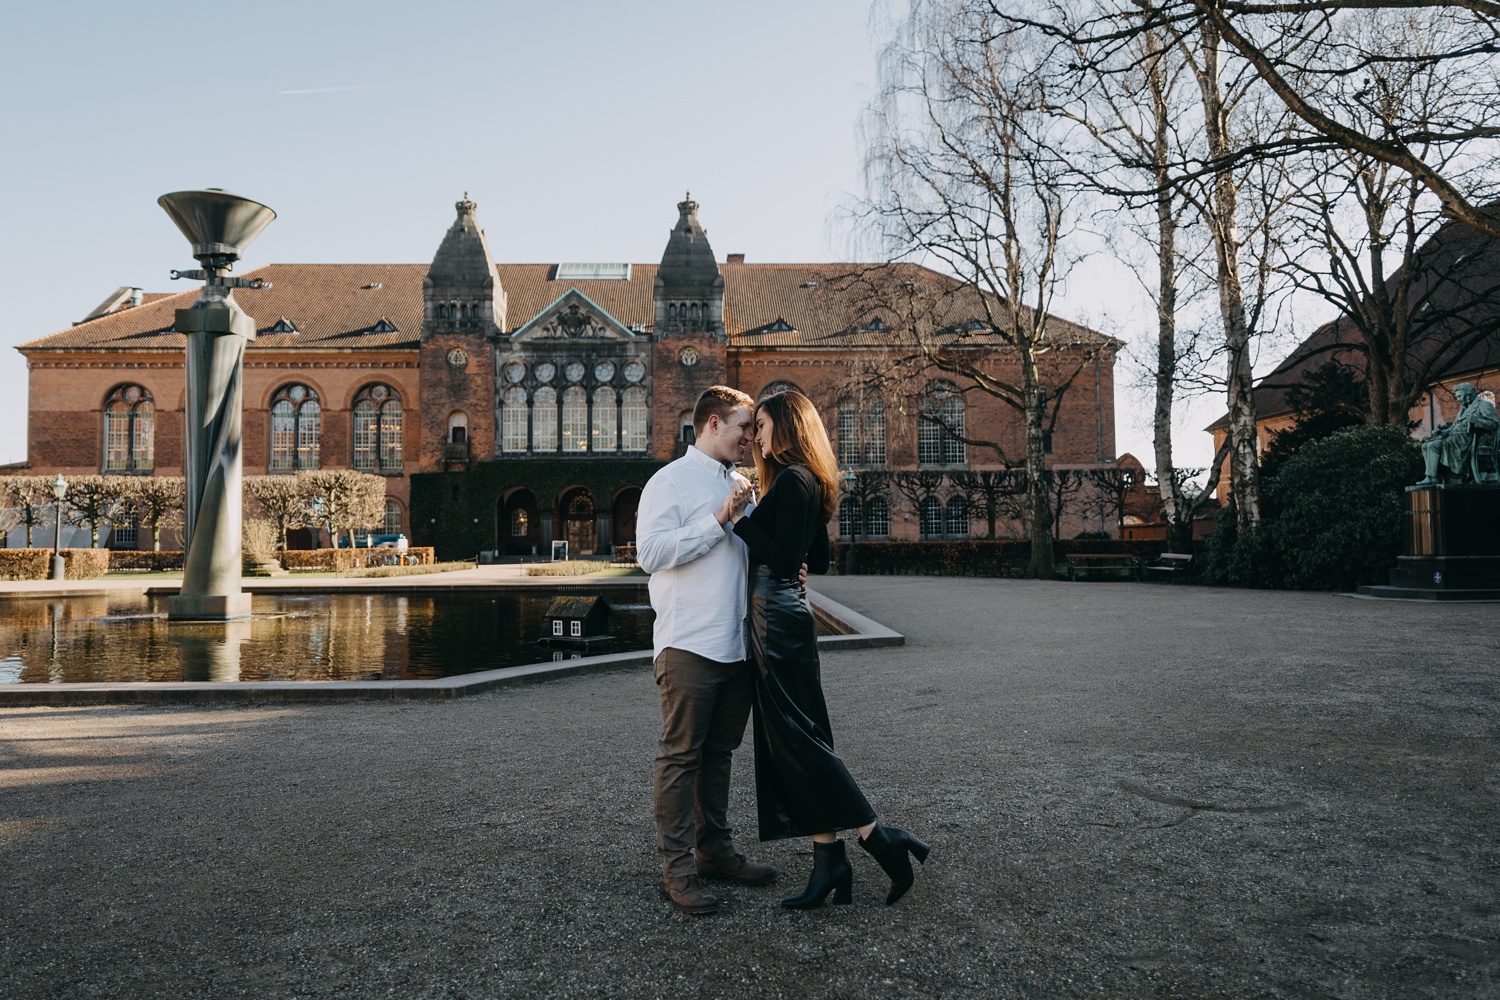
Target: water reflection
column 292, row 637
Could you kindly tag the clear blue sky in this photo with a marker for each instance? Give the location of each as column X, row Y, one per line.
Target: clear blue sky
column 575, row 126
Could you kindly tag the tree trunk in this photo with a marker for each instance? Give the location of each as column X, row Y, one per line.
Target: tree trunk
column 1244, row 458
column 1036, row 471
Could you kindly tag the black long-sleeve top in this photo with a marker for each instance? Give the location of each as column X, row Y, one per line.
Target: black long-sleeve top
column 787, row 527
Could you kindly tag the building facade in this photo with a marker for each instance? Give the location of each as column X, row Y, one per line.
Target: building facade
column 513, row 405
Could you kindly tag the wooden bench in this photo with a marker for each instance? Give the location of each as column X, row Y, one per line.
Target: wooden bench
column 1103, row 560
column 1172, row 565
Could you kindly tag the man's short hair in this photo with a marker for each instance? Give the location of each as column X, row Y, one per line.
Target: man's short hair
column 718, row 401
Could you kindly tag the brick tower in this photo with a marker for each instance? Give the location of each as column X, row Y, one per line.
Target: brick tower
column 690, row 346
column 463, row 315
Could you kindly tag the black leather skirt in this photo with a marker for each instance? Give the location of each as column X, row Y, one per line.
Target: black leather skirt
column 801, row 786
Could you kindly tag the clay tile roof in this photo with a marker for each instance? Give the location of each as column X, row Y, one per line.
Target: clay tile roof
column 332, row 306
column 329, row 304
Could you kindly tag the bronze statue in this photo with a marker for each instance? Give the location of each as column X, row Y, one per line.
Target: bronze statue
column 1452, row 446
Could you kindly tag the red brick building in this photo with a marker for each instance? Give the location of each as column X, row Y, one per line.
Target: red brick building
column 513, row 404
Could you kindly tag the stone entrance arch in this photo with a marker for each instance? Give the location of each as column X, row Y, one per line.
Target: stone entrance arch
column 622, row 517
column 575, row 514
column 518, row 525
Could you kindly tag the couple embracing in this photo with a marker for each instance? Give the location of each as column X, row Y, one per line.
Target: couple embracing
column 713, row 553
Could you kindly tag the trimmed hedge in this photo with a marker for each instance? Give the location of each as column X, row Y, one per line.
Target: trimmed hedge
column 338, row 560
column 976, row 557
column 133, row 559
column 36, row 564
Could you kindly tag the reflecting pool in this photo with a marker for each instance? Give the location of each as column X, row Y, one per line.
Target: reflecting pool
column 295, row 637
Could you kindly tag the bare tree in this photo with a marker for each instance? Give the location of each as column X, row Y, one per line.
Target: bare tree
column 93, row 500
column 990, row 494
column 281, row 500
column 863, row 489
column 30, row 500
column 963, row 170
column 343, row 499
column 916, row 488
column 158, row 503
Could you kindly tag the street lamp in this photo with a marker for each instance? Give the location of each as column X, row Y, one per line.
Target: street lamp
column 219, row 226
column 59, row 565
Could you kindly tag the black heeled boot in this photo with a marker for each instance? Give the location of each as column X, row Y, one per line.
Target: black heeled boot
column 890, row 846
column 831, row 873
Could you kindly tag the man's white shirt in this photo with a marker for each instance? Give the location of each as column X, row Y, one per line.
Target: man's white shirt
column 699, row 568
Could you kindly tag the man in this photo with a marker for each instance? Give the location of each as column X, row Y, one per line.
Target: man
column 699, row 576
column 1453, row 445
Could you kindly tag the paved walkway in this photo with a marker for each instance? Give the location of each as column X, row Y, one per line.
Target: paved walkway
column 1131, row 790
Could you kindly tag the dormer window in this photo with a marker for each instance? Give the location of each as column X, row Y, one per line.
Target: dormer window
column 283, row 325
column 384, row 326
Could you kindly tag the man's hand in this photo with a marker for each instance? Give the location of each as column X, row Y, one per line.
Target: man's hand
column 802, row 577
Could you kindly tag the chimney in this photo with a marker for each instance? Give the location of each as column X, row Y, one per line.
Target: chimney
column 735, row 258
column 136, row 295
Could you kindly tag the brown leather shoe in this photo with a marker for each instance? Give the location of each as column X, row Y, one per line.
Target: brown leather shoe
column 736, row 868
column 687, row 893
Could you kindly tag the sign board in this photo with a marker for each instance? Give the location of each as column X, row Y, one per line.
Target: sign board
column 560, row 551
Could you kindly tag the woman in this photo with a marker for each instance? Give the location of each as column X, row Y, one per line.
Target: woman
column 802, row 787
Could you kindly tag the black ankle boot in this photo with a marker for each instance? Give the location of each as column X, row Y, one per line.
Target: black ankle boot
column 890, row 847
column 831, row 873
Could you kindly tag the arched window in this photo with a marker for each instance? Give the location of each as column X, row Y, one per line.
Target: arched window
column 686, row 432
column 377, row 429
column 861, row 432
column 693, row 312
column 874, row 428
column 932, row 517
column 671, row 310
column 776, row 387
column 849, row 519
column 544, row 420
column 575, row 419
column 606, row 436
column 442, row 311
column 633, row 418
column 458, row 427
column 956, row 518
column 520, row 523
column 849, row 450
column 129, row 430
column 393, row 517
column 878, row 517
column 942, row 417
column 296, row 428
column 513, row 420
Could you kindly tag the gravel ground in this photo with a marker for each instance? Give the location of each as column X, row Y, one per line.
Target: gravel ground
column 1130, row 790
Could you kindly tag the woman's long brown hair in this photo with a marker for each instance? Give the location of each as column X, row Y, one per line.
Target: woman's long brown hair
column 797, row 438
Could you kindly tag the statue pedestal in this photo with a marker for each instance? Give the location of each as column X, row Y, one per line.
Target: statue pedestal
column 208, row 607
column 1451, row 545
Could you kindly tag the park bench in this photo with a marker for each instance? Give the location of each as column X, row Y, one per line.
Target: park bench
column 1171, row 565
column 1103, row 561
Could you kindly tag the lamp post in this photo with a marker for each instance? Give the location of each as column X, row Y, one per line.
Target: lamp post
column 850, row 482
column 59, row 564
column 219, row 226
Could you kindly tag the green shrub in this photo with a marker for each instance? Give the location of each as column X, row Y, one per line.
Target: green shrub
column 1330, row 518
column 976, row 557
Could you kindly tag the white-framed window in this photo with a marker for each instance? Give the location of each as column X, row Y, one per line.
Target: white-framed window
column 606, row 437
column 544, row 420
column 377, row 429
column 575, row 419
column 936, row 443
column 576, row 628
column 296, row 428
column 849, row 518
column 392, row 517
column 513, row 420
column 633, row 419
column 123, row 531
column 557, row 626
column 932, row 517
column 129, row 430
column 956, row 518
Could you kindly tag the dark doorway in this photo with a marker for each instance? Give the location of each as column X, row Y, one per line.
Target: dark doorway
column 622, row 526
column 576, row 507
column 520, row 528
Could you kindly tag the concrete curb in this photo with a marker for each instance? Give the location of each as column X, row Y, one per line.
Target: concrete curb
column 855, row 631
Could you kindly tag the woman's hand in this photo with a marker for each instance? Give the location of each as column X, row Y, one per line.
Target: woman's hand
column 739, row 500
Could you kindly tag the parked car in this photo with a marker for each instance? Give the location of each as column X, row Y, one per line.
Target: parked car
column 369, row 541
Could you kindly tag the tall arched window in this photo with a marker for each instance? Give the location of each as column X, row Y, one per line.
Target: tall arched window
column 633, row 416
column 575, row 419
column 513, row 420
column 393, row 517
column 849, row 450
column 606, row 436
column 849, row 518
column 544, row 420
column 377, row 429
column 129, row 430
column 861, row 432
column 942, row 410
column 458, row 427
column 932, row 517
column 956, row 518
column 776, row 387
column 878, row 517
column 296, row 428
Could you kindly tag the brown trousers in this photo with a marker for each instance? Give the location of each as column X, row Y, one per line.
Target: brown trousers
column 705, row 705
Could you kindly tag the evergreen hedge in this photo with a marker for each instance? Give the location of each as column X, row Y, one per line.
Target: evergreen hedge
column 36, row 564
column 974, row 557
